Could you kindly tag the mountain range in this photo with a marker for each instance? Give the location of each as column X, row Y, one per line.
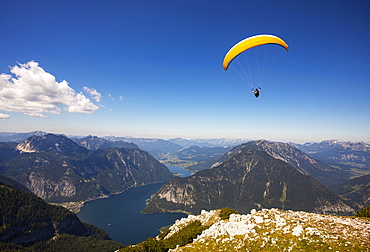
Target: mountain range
column 57, row 169
column 326, row 178
column 250, row 177
column 19, row 137
column 152, row 145
column 217, row 142
column 60, row 169
column 351, row 157
column 94, row 143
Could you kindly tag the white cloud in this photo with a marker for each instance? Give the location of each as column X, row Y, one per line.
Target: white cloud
column 121, row 98
column 95, row 94
column 35, row 92
column 4, row 116
column 110, row 97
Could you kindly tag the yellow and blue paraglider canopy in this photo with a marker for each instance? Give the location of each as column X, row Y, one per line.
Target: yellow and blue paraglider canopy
column 251, row 42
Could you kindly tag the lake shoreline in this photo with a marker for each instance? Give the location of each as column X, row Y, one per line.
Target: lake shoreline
column 75, row 206
column 120, row 216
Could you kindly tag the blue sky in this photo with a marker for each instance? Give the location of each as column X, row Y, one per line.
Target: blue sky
column 154, row 69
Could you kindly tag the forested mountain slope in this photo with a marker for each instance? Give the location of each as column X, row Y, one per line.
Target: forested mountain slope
column 29, row 223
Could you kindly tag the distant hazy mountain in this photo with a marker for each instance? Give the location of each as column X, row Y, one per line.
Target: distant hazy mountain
column 195, row 158
column 152, row 145
column 57, row 169
column 27, row 220
column 352, row 157
column 18, row 137
column 197, row 153
column 94, row 143
column 218, row 142
column 247, row 178
column 329, row 145
column 356, row 191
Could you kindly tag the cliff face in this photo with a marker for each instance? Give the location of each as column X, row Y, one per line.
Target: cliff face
column 249, row 178
column 57, row 169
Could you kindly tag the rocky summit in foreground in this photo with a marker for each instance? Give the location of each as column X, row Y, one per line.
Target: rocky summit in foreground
column 274, row 230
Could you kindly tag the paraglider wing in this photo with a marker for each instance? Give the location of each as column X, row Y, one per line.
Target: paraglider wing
column 249, row 43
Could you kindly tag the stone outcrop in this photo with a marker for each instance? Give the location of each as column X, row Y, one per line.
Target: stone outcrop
column 277, row 230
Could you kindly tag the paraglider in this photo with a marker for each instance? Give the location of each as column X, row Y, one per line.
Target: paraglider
column 256, row 92
column 247, row 44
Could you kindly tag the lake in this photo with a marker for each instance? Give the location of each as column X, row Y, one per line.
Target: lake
column 120, row 214
column 179, row 170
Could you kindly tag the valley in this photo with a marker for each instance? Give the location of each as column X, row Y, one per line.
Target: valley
column 323, row 178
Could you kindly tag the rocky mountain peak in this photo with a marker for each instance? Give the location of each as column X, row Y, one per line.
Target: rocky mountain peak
column 247, row 178
column 50, row 142
column 299, row 160
column 289, row 154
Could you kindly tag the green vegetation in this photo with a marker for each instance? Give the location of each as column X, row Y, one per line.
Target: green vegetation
column 66, row 242
column 273, row 230
column 225, row 213
column 163, row 244
column 355, row 191
column 274, row 244
column 186, row 235
column 28, row 223
column 278, row 230
column 364, row 212
column 23, row 209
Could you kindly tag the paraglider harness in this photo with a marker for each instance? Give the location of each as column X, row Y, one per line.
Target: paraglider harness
column 256, row 91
